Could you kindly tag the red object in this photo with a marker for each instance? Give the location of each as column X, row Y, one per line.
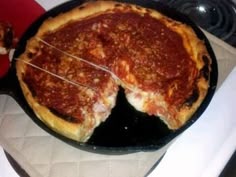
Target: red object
column 20, row 14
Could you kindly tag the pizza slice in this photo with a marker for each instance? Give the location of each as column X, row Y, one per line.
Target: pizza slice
column 68, row 95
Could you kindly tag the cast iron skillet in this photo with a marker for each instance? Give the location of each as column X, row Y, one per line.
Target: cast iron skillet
column 126, row 130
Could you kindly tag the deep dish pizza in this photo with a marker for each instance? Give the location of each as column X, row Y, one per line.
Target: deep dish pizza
column 72, row 68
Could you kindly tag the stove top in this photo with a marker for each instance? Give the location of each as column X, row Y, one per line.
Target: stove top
column 215, row 16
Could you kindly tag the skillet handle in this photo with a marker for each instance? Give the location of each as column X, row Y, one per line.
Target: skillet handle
column 8, row 80
column 4, row 64
column 9, row 83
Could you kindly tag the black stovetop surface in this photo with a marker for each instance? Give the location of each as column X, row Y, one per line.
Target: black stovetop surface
column 215, row 16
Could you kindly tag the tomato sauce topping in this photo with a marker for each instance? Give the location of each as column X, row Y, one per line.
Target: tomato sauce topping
column 153, row 53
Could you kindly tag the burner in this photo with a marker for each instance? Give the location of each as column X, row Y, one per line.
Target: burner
column 216, row 16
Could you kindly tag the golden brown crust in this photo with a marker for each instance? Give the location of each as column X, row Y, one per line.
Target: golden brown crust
column 81, row 132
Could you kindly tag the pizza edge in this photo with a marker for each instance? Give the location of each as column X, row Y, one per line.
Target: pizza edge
column 199, row 54
column 91, row 9
column 196, row 50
